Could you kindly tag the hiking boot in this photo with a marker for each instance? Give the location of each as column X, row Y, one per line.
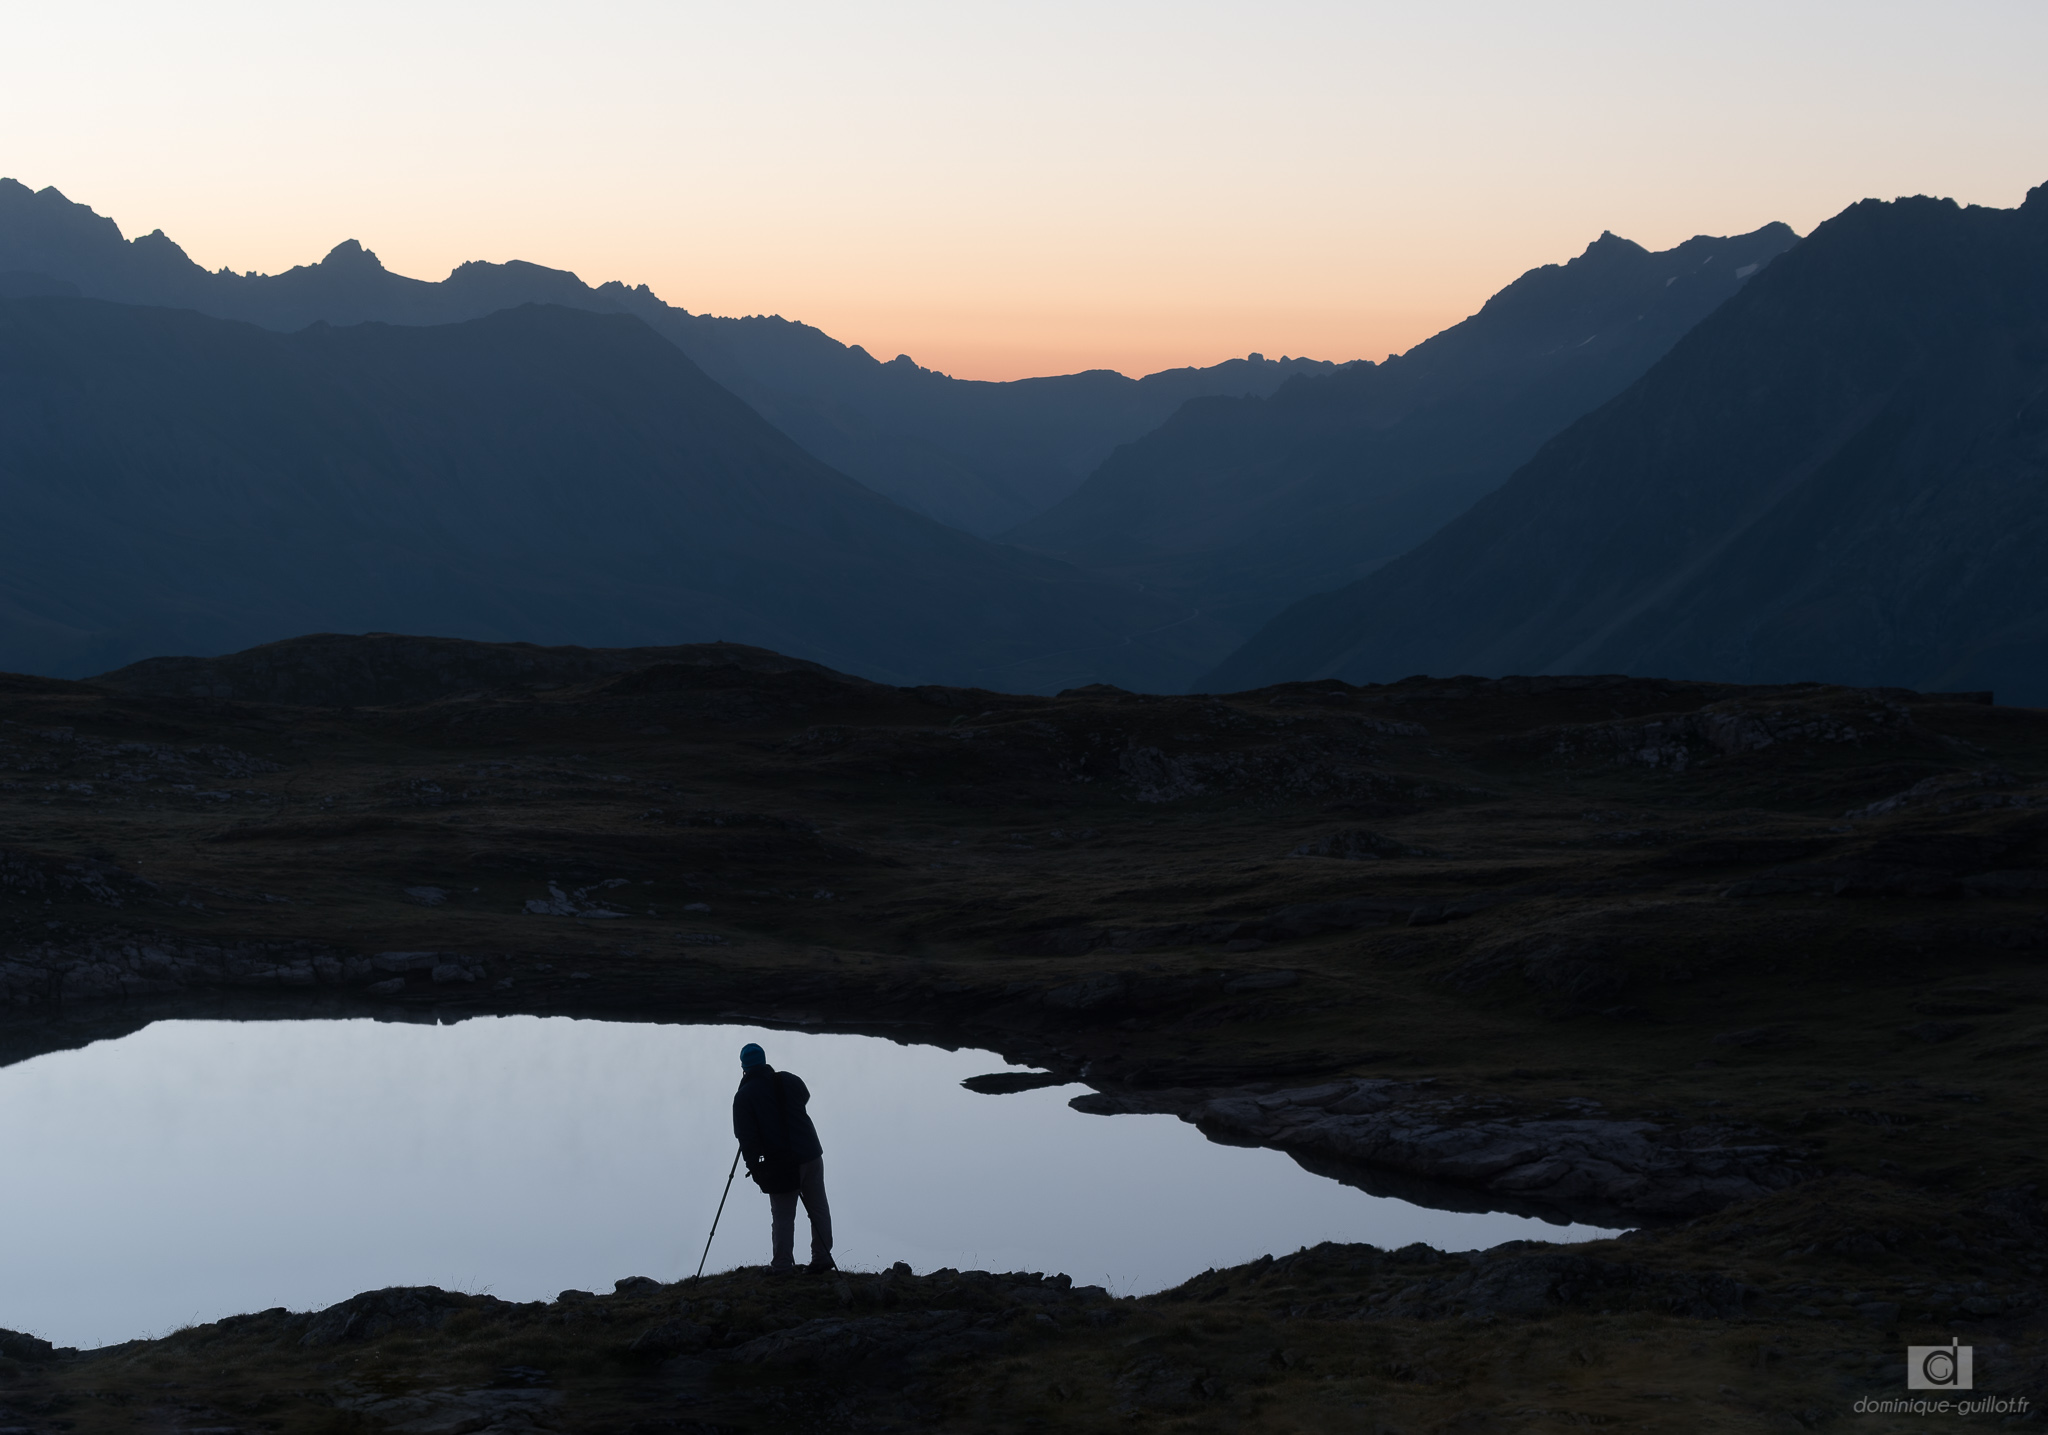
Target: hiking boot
column 820, row 1265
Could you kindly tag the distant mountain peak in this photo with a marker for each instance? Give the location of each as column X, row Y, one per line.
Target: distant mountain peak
column 1612, row 246
column 349, row 254
column 48, row 215
column 160, row 246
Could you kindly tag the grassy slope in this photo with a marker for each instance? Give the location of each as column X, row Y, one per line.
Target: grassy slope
column 1712, row 942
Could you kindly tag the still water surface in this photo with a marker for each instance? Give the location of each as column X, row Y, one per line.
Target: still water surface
column 197, row 1169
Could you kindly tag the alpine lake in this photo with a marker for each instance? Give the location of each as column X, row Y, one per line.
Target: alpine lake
column 199, row 1168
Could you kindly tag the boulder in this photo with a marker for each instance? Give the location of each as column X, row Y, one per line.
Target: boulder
column 375, row 1313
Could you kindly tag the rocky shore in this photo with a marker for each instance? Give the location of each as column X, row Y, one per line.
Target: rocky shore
column 1578, row 1167
column 1671, row 1330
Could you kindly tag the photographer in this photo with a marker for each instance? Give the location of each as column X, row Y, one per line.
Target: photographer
column 783, row 1156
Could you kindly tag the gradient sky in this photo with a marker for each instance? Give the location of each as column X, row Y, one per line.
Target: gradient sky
column 1002, row 190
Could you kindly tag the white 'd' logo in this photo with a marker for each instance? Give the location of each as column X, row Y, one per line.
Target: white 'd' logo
column 1939, row 1367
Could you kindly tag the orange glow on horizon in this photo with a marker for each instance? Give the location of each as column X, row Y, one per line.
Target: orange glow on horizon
column 1001, row 190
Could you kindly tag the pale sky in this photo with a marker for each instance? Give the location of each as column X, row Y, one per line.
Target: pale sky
column 1011, row 189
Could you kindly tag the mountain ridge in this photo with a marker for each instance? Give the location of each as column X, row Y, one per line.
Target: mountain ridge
column 1240, row 506
column 977, row 455
column 182, row 484
column 1838, row 475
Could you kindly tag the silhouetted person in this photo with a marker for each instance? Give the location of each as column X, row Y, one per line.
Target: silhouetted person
column 783, row 1156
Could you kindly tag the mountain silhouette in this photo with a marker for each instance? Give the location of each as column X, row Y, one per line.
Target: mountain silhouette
column 181, row 484
column 1241, row 506
column 1841, row 475
column 980, row 456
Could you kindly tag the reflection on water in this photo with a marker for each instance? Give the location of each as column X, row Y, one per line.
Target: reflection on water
column 198, row 1169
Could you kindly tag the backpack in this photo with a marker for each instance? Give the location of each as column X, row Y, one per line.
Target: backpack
column 777, row 1175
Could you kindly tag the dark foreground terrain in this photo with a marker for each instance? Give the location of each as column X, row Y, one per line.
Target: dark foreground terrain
column 1757, row 970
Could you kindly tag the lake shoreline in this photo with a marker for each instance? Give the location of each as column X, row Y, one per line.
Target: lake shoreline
column 1797, row 927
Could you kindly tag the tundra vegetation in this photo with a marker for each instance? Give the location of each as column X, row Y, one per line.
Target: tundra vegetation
column 1754, row 971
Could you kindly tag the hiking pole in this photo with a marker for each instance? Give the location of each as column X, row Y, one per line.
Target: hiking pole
column 714, row 1220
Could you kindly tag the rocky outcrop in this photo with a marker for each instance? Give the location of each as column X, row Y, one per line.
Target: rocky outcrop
column 1420, row 1283
column 974, row 1311
column 1006, row 1083
column 1584, row 1166
column 1517, row 1281
column 1533, row 1285
column 32, row 875
column 115, row 964
column 29, row 1349
column 1727, row 729
column 375, row 1313
column 1333, row 766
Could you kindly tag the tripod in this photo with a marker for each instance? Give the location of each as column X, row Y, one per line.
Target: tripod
column 714, row 1220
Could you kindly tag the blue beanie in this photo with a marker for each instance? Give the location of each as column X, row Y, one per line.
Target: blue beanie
column 752, row 1056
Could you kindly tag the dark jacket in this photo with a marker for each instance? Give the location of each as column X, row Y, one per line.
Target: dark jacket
column 766, row 1127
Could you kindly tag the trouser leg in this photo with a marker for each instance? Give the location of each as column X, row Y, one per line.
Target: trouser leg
column 782, row 1230
column 812, row 1175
